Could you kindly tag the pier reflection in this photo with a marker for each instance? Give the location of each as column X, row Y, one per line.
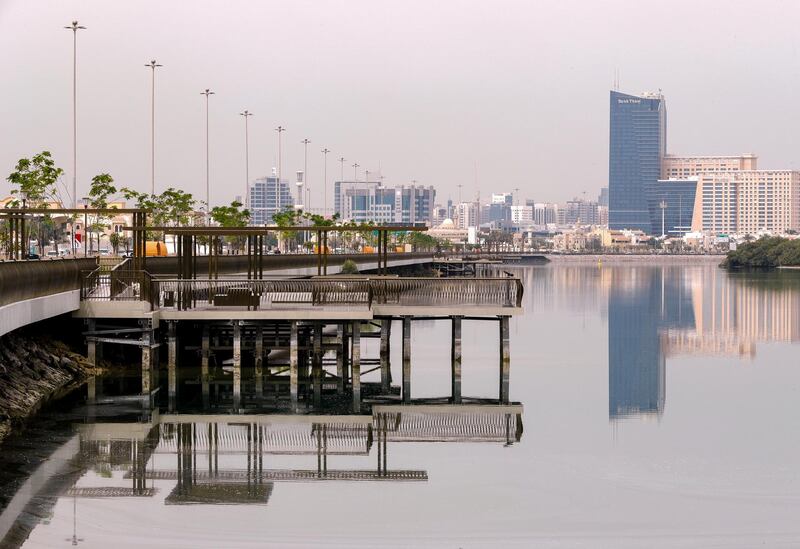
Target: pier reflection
column 658, row 312
column 185, row 459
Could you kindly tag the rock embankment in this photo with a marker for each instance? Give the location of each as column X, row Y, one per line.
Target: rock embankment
column 32, row 370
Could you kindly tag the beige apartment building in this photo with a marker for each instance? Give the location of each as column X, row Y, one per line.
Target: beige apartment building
column 683, row 167
column 747, row 201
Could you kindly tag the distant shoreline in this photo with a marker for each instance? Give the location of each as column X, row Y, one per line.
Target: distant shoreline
column 703, row 259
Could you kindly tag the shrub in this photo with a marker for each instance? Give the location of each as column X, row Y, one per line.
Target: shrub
column 349, row 267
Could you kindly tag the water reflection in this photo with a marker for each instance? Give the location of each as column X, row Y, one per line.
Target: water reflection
column 667, row 311
column 237, row 460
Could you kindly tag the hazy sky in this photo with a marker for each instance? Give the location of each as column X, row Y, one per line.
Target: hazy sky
column 424, row 90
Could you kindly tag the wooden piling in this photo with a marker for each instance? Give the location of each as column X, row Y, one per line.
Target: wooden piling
column 455, row 359
column 406, row 359
column 356, row 367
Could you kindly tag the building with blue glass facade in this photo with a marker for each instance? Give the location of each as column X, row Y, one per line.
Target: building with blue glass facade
column 644, row 304
column 268, row 197
column 678, row 199
column 637, row 145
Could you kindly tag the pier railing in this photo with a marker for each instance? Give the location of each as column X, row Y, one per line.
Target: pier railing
column 124, row 284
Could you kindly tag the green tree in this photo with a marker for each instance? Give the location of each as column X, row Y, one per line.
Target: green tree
column 232, row 216
column 34, row 183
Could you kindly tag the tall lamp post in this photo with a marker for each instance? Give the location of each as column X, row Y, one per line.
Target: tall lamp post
column 152, row 64
column 246, row 196
column 75, row 27
column 280, row 130
column 305, row 143
column 355, row 171
column 325, row 152
column 207, row 93
column 663, row 206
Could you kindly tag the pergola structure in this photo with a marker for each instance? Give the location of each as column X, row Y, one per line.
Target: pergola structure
column 190, row 239
column 17, row 218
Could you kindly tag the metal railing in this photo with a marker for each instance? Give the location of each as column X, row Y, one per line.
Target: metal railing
column 124, row 284
column 120, row 284
column 361, row 291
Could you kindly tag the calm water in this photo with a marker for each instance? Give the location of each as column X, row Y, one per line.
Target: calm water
column 660, row 410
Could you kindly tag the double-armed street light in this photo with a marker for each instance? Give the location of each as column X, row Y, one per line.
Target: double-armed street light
column 280, row 130
column 305, row 143
column 153, row 64
column 75, row 27
column 207, row 93
column 246, row 196
column 325, row 152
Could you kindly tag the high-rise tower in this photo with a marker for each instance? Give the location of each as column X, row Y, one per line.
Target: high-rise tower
column 637, row 145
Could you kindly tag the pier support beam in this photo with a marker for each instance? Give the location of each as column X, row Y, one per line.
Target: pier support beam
column 505, row 359
column 406, row 359
column 205, row 375
column 237, row 366
column 147, row 362
column 316, row 364
column 93, row 348
column 455, row 360
column 356, row 367
column 172, row 364
column 259, row 368
column 341, row 351
column 386, row 375
column 293, row 365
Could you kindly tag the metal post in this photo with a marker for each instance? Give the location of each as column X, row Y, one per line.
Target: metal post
column 455, row 359
column 237, row 366
column 259, row 373
column 340, row 358
column 172, row 364
column 147, row 363
column 505, row 359
column 293, row 365
column 406, row 359
column 386, row 327
column 204, row 373
column 356, row 369
column 317, row 364
column 207, row 93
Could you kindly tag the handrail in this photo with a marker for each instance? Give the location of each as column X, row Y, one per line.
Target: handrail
column 364, row 291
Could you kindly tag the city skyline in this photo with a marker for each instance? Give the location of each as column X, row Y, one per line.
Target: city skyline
column 401, row 113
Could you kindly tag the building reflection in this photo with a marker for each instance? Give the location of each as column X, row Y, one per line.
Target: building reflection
column 659, row 312
column 240, row 459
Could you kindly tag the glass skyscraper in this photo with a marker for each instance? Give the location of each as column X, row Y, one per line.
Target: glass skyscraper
column 637, row 144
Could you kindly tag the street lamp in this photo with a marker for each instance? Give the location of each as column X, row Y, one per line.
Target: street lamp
column 280, row 130
column 355, row 171
column 325, row 152
column 663, row 206
column 305, row 143
column 152, row 64
column 85, row 224
column 246, row 197
column 207, row 93
column 75, row 27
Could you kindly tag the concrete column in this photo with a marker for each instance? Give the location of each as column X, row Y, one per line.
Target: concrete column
column 293, row 365
column 356, row 368
column 259, row 370
column 317, row 364
column 172, row 364
column 147, row 363
column 386, row 380
column 406, row 359
column 455, row 360
column 505, row 359
column 91, row 390
column 205, row 375
column 237, row 365
column 92, row 347
column 340, row 358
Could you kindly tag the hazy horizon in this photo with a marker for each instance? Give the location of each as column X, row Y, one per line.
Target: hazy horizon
column 428, row 92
